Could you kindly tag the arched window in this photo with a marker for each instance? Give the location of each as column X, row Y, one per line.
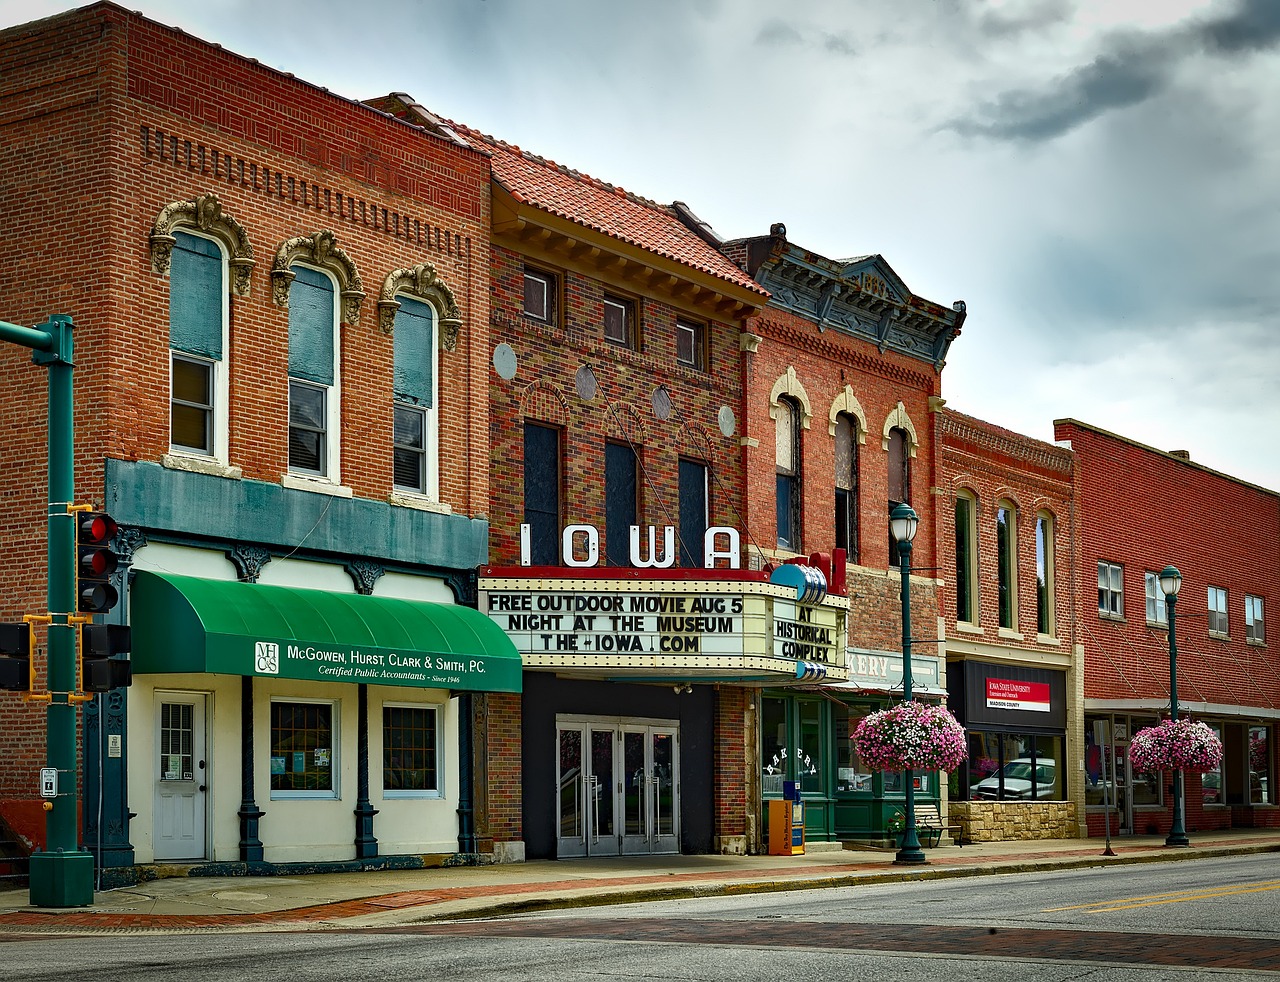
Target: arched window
column 198, row 308
column 899, row 445
column 846, row 481
column 788, row 428
column 1045, row 621
column 966, row 557
column 314, row 391
column 416, row 417
column 1007, row 563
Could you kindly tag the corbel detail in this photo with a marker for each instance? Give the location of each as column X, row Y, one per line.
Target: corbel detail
column 421, row 281
column 320, row 249
column 205, row 214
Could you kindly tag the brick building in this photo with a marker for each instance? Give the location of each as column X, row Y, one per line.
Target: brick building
column 1142, row 510
column 1008, row 524
column 281, row 313
column 842, row 369
column 617, row 510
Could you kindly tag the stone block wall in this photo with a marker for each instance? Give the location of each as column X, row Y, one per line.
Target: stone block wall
column 1001, row 821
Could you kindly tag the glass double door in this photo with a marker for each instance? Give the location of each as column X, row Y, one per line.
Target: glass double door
column 617, row 787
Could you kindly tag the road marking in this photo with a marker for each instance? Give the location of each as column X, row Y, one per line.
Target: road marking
column 1176, row 897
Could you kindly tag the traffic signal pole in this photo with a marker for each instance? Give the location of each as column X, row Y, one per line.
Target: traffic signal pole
column 61, row 874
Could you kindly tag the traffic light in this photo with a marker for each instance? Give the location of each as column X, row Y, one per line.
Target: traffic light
column 99, row 644
column 15, row 657
column 95, row 562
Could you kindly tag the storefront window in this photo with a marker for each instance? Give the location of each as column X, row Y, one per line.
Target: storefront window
column 302, row 748
column 773, row 745
column 851, row 774
column 807, row 771
column 1099, row 762
column 1146, row 787
column 1211, row 782
column 1260, row 764
column 1014, row 767
column 410, row 755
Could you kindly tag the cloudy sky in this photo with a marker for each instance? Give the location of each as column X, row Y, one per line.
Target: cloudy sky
column 1099, row 180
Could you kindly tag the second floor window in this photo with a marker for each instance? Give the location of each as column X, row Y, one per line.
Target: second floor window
column 1218, row 611
column 1110, row 590
column 542, row 493
column 414, row 374
column 694, row 512
column 620, row 322
column 1044, row 574
column 899, row 482
column 313, row 374
column 787, row 456
column 847, row 485
column 1157, row 612
column 1006, row 563
column 620, row 502
column 691, row 344
column 539, row 295
column 966, row 559
column 197, row 340
column 1253, row 626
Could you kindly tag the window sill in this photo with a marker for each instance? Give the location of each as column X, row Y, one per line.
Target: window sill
column 1256, row 642
column 407, row 499
column 1158, row 625
column 200, row 465
column 1048, row 639
column 964, row 627
column 1219, row 636
column 1105, row 616
column 304, row 796
column 1009, row 634
column 317, row 484
column 413, row 795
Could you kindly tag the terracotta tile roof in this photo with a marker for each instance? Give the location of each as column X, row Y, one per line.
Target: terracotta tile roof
column 604, row 208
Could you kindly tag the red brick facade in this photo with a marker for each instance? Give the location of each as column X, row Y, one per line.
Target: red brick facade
column 1146, row 509
column 109, row 119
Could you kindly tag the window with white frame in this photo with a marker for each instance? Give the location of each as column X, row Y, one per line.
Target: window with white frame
column 1044, row 574
column 540, row 295
column 1110, row 590
column 691, row 344
column 1254, row 629
column 198, row 308
column 1007, row 563
column 1157, row 613
column 1218, row 611
column 966, row 557
column 620, row 322
column 304, row 749
column 787, row 454
column 415, row 431
column 314, row 392
column 411, row 752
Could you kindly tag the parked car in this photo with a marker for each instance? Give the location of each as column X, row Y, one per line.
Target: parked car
column 1018, row 784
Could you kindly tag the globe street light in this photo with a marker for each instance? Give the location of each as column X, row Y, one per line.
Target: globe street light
column 1171, row 583
column 902, row 525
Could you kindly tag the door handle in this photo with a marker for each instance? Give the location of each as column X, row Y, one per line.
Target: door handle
column 202, row 787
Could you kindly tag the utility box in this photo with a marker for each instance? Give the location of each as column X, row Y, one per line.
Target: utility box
column 785, row 822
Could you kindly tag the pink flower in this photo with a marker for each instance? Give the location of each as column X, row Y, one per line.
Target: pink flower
column 1181, row 746
column 912, row 735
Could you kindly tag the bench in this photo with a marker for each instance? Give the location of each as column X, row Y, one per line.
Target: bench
column 930, row 826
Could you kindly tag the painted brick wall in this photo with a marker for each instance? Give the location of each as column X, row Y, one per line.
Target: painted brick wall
column 109, row 118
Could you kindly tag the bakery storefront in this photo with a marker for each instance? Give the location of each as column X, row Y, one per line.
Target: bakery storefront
column 622, row 708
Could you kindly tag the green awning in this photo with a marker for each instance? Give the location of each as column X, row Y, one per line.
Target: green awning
column 189, row 624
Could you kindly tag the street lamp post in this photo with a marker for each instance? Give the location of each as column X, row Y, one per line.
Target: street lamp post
column 902, row 524
column 1170, row 583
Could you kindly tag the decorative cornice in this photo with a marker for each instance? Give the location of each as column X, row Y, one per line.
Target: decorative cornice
column 421, row 281
column 840, row 354
column 321, row 250
column 1058, row 460
column 205, row 214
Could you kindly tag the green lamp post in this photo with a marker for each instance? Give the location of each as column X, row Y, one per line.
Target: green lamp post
column 1171, row 583
column 903, row 522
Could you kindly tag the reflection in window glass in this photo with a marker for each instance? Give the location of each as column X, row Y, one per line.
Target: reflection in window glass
column 1211, row 782
column 1146, row 787
column 810, row 774
column 1260, row 764
column 851, row 773
column 1015, row 767
column 301, row 746
column 773, row 744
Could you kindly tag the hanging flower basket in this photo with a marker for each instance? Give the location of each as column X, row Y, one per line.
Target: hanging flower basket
column 912, row 735
column 1175, row 746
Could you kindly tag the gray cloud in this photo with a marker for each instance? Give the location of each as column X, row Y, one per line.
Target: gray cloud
column 1131, row 69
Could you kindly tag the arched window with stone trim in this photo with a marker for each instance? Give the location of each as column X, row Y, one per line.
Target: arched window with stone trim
column 206, row 255
column 899, row 447
column 788, row 472
column 415, row 425
column 846, row 434
column 1007, row 563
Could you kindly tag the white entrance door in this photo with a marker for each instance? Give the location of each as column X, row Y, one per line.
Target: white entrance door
column 179, row 828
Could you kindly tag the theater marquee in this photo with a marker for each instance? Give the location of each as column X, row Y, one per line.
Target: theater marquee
column 662, row 624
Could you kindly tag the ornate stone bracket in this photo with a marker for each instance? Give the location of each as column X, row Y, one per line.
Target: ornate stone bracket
column 248, row 561
column 320, row 249
column 364, row 575
column 204, row 213
column 128, row 540
column 421, row 281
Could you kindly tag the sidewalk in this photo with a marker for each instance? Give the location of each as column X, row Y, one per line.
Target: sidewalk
column 382, row 899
